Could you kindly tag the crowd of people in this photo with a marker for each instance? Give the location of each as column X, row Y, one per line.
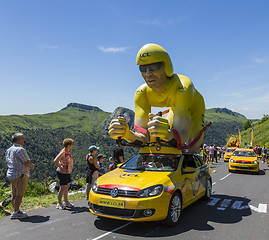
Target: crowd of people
column 212, row 153
column 262, row 153
column 19, row 165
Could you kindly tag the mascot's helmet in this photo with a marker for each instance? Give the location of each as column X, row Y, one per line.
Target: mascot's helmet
column 152, row 53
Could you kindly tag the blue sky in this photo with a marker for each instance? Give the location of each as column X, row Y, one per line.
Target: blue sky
column 55, row 52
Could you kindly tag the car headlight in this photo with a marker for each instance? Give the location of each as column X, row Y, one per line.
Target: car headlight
column 254, row 162
column 225, row 155
column 95, row 187
column 151, row 191
column 231, row 160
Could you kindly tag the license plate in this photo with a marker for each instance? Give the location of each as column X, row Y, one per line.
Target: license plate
column 111, row 203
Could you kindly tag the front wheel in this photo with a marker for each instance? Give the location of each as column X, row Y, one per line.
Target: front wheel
column 174, row 210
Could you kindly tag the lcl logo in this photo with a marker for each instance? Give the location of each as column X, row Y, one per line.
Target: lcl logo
column 128, row 175
column 144, row 55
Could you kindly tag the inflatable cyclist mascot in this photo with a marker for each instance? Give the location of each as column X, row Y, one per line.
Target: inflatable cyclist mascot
column 184, row 123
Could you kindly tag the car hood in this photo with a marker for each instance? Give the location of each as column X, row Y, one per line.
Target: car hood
column 244, row 159
column 132, row 180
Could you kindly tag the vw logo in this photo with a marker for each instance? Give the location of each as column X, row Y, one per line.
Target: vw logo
column 243, row 162
column 114, row 192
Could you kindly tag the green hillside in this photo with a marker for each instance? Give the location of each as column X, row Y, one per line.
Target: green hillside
column 44, row 135
column 261, row 134
column 224, row 122
column 223, row 115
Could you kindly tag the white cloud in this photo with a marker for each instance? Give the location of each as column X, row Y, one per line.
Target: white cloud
column 113, row 49
column 47, row 46
column 176, row 20
column 260, row 60
column 262, row 99
column 154, row 22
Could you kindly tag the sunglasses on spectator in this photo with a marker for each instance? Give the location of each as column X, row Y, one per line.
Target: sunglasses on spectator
column 152, row 67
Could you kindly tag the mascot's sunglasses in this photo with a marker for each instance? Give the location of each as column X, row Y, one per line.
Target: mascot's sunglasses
column 152, row 67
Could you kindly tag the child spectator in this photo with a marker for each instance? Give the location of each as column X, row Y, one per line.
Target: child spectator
column 100, row 159
column 111, row 163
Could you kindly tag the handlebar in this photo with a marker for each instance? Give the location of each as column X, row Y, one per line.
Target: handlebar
column 160, row 143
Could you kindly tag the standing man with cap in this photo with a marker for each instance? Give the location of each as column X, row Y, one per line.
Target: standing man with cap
column 19, row 164
column 162, row 88
column 92, row 169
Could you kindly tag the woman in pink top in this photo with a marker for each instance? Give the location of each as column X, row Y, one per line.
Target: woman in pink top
column 64, row 163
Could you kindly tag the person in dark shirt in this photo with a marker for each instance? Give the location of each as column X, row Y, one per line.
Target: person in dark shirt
column 216, row 154
column 259, row 150
column 118, row 155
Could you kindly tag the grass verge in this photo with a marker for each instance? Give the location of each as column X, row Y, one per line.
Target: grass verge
column 41, row 201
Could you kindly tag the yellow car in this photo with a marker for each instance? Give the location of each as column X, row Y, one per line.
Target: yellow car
column 244, row 160
column 153, row 185
column 228, row 153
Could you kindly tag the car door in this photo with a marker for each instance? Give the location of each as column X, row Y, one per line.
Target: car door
column 201, row 175
column 189, row 173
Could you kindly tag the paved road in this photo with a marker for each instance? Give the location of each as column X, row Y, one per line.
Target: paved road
column 237, row 210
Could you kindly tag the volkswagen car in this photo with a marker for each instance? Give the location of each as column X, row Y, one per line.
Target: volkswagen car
column 228, row 153
column 151, row 186
column 244, row 160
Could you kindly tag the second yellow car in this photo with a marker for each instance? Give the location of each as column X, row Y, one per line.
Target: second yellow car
column 244, row 160
column 228, row 153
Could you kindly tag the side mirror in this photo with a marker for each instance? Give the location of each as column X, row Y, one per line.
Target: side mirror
column 189, row 170
column 118, row 165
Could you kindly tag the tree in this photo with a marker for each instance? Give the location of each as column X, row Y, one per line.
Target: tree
column 247, row 124
column 264, row 118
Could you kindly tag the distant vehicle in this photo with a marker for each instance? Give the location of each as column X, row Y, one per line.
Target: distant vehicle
column 228, row 153
column 244, row 160
column 151, row 186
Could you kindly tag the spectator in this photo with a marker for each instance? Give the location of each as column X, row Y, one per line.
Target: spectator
column 223, row 149
column 264, row 153
column 211, row 153
column 259, row 150
column 219, row 152
column 64, row 163
column 92, row 169
column 100, row 160
column 111, row 163
column 118, row 155
column 216, row 154
column 19, row 164
column 203, row 153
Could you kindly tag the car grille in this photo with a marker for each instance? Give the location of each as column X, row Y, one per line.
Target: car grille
column 121, row 193
column 245, row 168
column 243, row 162
column 118, row 212
column 113, row 211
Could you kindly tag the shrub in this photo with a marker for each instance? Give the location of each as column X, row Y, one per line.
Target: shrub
column 35, row 189
column 247, row 124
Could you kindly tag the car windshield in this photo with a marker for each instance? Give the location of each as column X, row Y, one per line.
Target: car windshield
column 229, row 150
column 152, row 162
column 244, row 154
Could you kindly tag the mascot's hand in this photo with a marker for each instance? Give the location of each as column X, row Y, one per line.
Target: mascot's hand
column 158, row 126
column 119, row 128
